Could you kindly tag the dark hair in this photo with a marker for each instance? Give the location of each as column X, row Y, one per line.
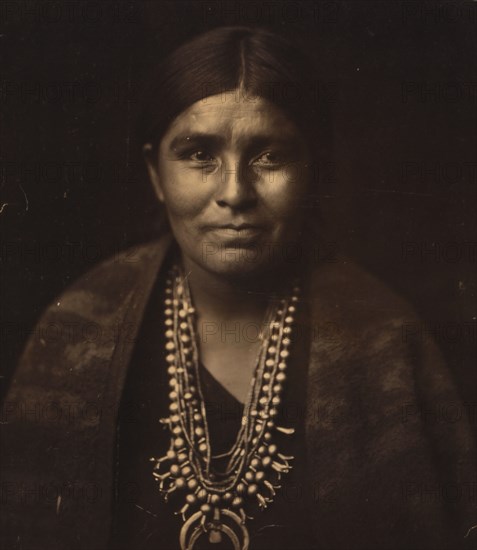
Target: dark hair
column 262, row 64
column 226, row 58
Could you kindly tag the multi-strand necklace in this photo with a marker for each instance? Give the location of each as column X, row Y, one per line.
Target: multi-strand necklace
column 214, row 501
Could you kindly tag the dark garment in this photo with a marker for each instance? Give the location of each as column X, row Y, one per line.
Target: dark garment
column 381, row 472
column 142, row 520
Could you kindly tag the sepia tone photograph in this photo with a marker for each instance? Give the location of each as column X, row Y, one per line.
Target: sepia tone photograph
column 238, row 259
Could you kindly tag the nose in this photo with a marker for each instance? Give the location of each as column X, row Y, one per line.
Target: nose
column 236, row 189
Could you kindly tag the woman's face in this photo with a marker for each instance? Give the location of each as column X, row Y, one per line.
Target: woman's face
column 232, row 173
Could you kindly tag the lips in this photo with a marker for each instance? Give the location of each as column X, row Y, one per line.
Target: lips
column 237, row 227
column 231, row 233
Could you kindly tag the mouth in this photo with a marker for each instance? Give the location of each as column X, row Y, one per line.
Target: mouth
column 238, row 227
column 243, row 233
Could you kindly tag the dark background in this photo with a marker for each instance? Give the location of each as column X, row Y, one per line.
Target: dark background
column 400, row 78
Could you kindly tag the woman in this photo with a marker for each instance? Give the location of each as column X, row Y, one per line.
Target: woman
column 227, row 415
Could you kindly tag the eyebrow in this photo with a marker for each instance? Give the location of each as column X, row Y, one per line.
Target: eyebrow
column 216, row 141
column 262, row 140
column 186, row 139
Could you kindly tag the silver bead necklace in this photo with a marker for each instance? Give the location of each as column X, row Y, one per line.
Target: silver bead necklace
column 214, row 501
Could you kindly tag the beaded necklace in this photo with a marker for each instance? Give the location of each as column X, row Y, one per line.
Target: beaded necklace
column 216, row 499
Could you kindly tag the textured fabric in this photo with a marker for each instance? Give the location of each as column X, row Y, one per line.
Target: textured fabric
column 384, row 472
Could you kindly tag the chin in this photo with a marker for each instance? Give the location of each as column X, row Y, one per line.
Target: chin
column 242, row 263
column 241, row 260
column 235, row 263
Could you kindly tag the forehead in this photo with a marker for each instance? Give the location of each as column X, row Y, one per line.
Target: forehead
column 234, row 116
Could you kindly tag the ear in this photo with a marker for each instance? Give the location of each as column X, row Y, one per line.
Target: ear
column 151, row 163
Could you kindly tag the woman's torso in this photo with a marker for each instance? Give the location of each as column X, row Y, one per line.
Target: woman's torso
column 142, row 520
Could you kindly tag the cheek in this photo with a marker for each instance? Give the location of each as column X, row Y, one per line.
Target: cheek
column 284, row 191
column 185, row 192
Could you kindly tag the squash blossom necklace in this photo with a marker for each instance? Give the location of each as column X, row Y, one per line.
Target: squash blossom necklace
column 214, row 501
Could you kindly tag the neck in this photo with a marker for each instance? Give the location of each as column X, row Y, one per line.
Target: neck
column 220, row 297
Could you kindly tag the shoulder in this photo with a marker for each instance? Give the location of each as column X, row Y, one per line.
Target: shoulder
column 385, row 386
column 359, row 330
column 102, row 292
column 79, row 332
column 102, row 289
column 347, row 293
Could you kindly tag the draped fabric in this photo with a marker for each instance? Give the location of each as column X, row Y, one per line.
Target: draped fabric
column 385, row 470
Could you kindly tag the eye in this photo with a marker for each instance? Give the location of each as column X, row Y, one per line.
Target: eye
column 201, row 156
column 270, row 159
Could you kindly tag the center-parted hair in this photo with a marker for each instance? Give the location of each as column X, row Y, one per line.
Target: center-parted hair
column 256, row 62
